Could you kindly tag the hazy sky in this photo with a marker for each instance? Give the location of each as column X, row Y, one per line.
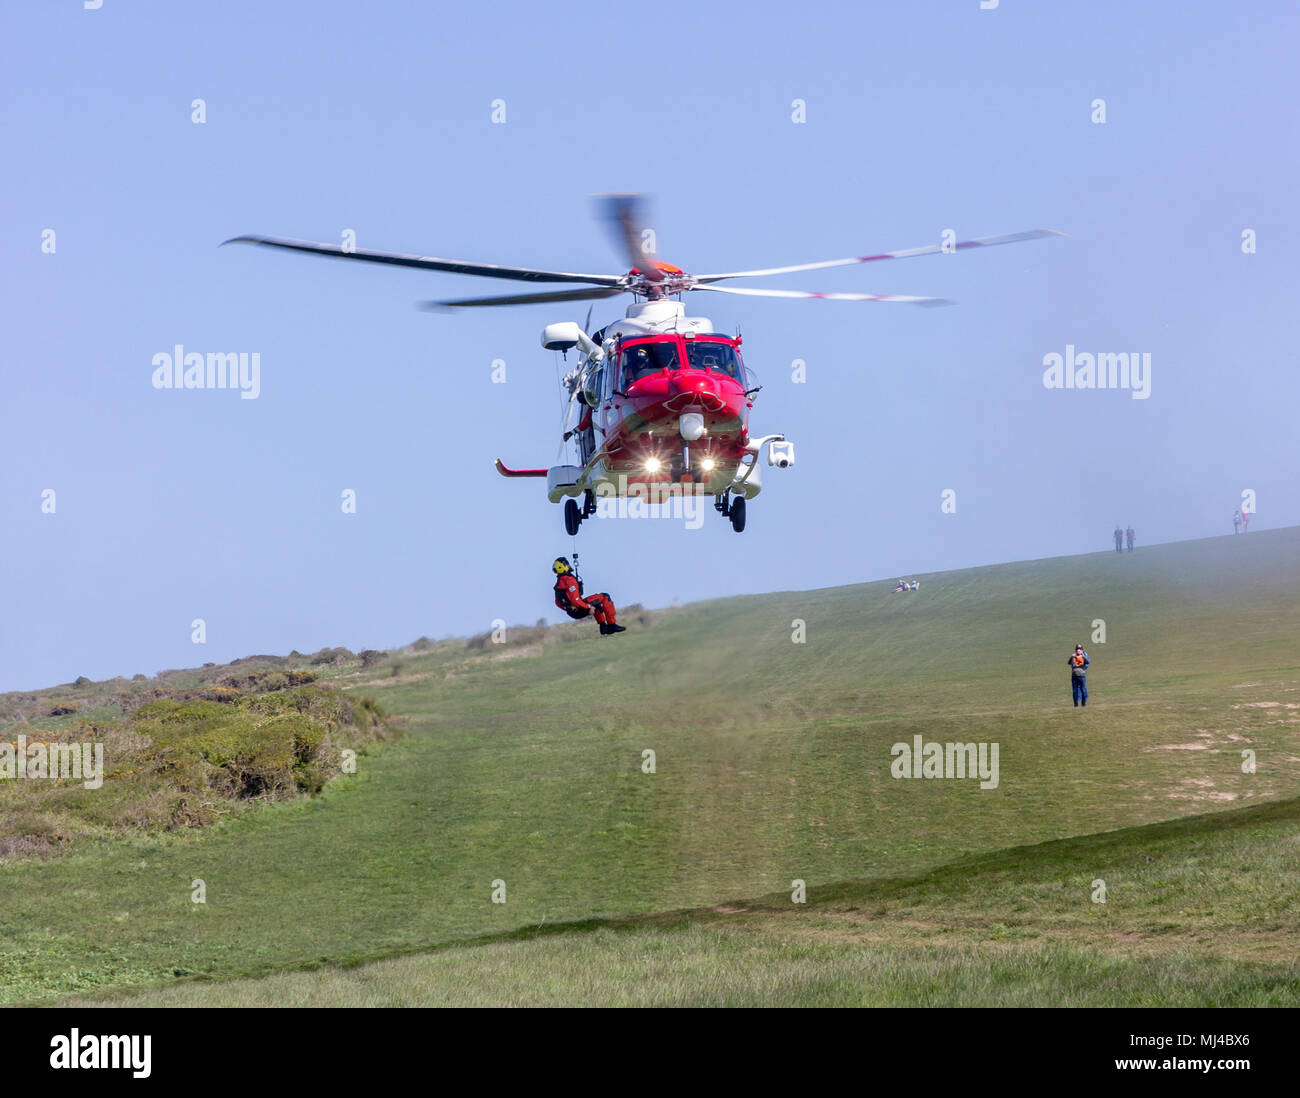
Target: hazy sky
column 322, row 117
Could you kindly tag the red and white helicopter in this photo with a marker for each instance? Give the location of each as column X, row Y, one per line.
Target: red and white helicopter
column 661, row 400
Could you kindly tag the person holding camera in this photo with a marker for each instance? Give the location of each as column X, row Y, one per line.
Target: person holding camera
column 1079, row 663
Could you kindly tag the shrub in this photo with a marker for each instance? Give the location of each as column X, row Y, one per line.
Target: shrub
column 332, row 655
column 219, row 694
column 265, row 747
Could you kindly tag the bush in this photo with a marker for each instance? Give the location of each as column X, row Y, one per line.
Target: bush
column 261, row 682
column 265, row 747
column 218, row 694
column 332, row 655
column 189, row 755
column 81, row 680
column 515, row 636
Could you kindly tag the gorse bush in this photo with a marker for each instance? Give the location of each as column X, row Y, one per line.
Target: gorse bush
column 266, row 746
column 186, row 760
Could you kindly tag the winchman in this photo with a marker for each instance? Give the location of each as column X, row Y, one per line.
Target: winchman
column 570, row 599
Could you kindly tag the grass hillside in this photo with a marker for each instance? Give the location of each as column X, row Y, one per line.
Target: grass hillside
column 522, row 763
column 1006, row 929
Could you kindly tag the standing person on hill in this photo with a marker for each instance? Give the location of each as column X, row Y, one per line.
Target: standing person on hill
column 1079, row 664
column 1130, row 537
column 1236, row 522
column 1119, row 539
column 1245, row 520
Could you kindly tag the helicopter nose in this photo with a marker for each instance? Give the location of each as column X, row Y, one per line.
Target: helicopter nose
column 693, row 384
column 695, row 389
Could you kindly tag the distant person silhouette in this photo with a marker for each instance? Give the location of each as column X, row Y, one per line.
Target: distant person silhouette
column 1079, row 664
column 1119, row 539
column 1130, row 536
column 1236, row 522
column 1245, row 520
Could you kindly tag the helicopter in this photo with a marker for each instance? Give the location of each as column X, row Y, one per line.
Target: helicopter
column 661, row 400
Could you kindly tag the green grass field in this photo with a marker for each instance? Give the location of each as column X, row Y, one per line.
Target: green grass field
column 523, row 763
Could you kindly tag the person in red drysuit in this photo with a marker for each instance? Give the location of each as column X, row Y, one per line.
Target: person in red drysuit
column 584, row 424
column 569, row 598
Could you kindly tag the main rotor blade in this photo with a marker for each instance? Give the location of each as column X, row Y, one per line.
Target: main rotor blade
column 905, row 253
column 750, row 292
column 428, row 263
column 625, row 213
column 523, row 299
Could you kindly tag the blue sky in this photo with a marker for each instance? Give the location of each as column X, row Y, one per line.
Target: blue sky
column 322, row 117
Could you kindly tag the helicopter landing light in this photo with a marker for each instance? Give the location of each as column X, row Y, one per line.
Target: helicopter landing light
column 652, row 465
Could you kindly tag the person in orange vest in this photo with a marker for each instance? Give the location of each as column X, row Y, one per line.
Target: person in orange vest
column 570, row 599
column 1079, row 664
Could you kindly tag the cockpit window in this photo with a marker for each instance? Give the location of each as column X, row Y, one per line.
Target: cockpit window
column 648, row 358
column 721, row 357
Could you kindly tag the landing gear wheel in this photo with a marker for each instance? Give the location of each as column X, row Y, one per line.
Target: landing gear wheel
column 737, row 512
column 572, row 517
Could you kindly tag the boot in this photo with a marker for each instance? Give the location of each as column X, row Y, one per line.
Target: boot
column 610, row 630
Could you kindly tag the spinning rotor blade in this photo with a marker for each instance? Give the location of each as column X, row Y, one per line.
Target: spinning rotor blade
column 590, row 294
column 905, row 253
column 826, row 297
column 428, row 263
column 624, row 212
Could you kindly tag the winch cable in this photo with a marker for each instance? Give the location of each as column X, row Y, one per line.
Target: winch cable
column 564, row 407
